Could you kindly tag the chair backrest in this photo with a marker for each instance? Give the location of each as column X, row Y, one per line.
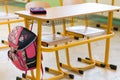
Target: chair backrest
column 37, row 4
column 5, row 5
column 70, row 2
column 4, row 13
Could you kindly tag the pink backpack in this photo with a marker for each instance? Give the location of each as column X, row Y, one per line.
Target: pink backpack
column 22, row 51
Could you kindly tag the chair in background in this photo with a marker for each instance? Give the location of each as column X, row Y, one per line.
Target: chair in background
column 71, row 2
column 104, row 25
column 36, row 4
column 85, row 31
column 7, row 18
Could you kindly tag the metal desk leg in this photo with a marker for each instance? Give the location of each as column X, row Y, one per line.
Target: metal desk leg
column 110, row 17
column 106, row 59
column 39, row 51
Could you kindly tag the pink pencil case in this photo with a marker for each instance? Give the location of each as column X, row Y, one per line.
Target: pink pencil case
column 39, row 10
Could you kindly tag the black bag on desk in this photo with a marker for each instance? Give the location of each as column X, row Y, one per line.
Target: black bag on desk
column 39, row 10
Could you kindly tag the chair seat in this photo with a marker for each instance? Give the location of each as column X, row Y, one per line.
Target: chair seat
column 86, row 31
column 54, row 39
column 4, row 16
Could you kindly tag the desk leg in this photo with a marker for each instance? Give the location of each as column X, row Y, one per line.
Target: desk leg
column 110, row 17
column 106, row 59
column 26, row 21
column 39, row 51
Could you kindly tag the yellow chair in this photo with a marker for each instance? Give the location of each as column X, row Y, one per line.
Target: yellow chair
column 105, row 25
column 7, row 18
column 70, row 31
column 87, row 32
column 70, row 2
column 78, row 31
column 36, row 4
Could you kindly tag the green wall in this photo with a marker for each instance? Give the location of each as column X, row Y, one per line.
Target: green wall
column 51, row 2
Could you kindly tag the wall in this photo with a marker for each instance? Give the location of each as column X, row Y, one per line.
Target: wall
column 51, row 2
column 116, row 3
column 57, row 2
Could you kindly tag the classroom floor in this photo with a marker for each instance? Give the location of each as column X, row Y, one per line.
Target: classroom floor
column 9, row 72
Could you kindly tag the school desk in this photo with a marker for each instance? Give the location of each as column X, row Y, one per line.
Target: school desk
column 63, row 12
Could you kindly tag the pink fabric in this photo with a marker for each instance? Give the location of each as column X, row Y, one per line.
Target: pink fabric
column 13, row 45
column 30, row 51
column 18, row 65
column 18, row 34
column 14, row 36
column 17, row 61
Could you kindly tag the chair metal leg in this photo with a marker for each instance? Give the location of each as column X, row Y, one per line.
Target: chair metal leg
column 58, row 72
column 79, row 70
column 61, row 72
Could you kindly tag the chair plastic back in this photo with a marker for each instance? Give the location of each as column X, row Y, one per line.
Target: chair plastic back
column 37, row 4
column 71, row 2
column 5, row 5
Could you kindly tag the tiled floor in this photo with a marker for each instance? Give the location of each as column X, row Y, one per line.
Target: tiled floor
column 9, row 72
